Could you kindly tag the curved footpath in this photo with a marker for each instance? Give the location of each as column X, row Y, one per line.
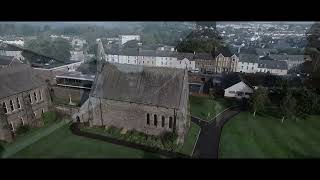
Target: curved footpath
column 74, row 127
column 208, row 143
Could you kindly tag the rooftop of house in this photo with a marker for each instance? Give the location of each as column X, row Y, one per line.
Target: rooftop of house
column 249, row 58
column 157, row 86
column 273, row 64
column 6, row 60
column 17, row 79
column 76, row 75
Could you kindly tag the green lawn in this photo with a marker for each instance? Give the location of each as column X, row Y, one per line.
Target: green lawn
column 63, row 144
column 201, row 106
column 191, row 139
column 246, row 136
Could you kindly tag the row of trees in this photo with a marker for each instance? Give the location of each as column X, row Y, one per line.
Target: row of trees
column 295, row 104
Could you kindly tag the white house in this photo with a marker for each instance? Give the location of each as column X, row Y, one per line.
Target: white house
column 248, row 63
column 275, row 67
column 239, row 90
column 125, row 38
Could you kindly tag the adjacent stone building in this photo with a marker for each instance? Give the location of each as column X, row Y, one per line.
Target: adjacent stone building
column 23, row 97
column 151, row 100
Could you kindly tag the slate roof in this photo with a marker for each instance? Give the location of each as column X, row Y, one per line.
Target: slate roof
column 250, row 58
column 18, row 79
column 265, row 51
column 157, row 86
column 6, row 60
column 272, row 64
column 267, row 57
column 204, row 56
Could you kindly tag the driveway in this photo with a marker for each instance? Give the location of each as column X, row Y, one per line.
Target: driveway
column 208, row 143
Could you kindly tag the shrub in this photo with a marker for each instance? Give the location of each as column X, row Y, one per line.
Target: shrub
column 22, row 129
column 168, row 140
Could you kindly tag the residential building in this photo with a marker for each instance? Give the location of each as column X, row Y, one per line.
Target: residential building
column 226, row 61
column 152, row 100
column 248, row 63
column 6, row 61
column 269, row 65
column 24, row 98
column 125, row 38
column 239, row 90
column 204, row 62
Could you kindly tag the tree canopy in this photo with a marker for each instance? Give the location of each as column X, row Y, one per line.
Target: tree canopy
column 58, row 49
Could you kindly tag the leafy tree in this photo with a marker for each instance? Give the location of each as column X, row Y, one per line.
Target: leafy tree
column 259, row 100
column 89, row 67
column 288, row 107
column 58, row 49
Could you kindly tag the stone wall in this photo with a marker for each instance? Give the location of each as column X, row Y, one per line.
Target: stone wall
column 64, row 93
column 27, row 114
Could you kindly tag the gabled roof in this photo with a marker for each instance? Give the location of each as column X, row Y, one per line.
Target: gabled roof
column 250, row 58
column 17, row 79
column 272, row 64
column 267, row 57
column 203, row 56
column 157, row 86
column 6, row 60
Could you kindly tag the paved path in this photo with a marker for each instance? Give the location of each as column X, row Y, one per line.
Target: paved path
column 18, row 146
column 208, row 143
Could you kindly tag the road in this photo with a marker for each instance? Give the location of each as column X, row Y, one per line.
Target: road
column 207, row 146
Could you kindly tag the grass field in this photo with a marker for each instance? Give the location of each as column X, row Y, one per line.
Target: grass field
column 190, row 139
column 201, row 106
column 63, row 144
column 246, row 136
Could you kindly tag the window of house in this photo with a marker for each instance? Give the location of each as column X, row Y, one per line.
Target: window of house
column 11, row 105
column 18, row 103
column 21, row 121
column 155, row 120
column 148, row 119
column 4, row 106
column 180, row 62
column 163, row 121
column 11, row 127
column 247, row 67
column 30, row 99
column 40, row 95
column 170, row 122
column 143, row 62
column 128, row 61
column 241, row 67
column 252, row 68
column 232, row 92
column 35, row 96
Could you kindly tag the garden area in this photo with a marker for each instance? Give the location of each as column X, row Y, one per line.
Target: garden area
column 207, row 108
column 166, row 141
column 264, row 136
